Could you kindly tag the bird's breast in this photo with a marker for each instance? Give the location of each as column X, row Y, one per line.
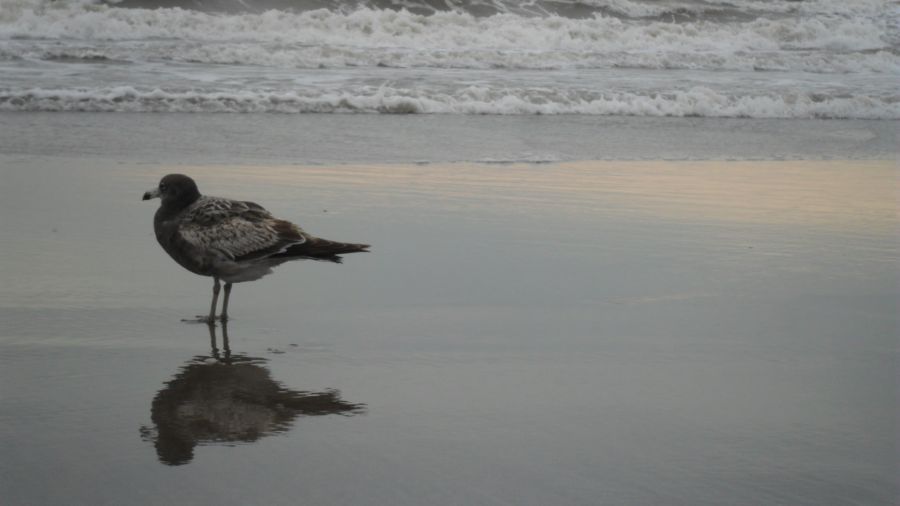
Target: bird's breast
column 183, row 252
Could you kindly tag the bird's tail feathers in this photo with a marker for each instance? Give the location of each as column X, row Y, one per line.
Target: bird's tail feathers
column 322, row 249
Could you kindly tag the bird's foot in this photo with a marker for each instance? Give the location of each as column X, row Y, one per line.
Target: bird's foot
column 202, row 318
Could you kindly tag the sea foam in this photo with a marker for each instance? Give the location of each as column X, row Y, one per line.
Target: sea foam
column 366, row 37
column 697, row 101
column 760, row 59
column 445, row 30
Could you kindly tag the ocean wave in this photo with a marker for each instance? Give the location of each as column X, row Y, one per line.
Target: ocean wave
column 697, row 101
column 810, row 59
column 299, row 56
column 365, row 37
column 448, row 30
column 635, row 9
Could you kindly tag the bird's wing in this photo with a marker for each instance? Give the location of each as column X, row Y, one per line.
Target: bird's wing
column 237, row 230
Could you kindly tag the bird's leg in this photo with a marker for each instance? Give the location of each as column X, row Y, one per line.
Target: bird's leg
column 224, row 316
column 215, row 299
column 210, row 319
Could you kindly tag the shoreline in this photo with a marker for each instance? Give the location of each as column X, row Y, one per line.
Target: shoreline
column 329, row 139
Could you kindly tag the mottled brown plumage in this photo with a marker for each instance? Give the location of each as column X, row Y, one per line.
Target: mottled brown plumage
column 231, row 240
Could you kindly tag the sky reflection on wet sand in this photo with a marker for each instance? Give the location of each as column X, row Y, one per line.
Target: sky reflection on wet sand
column 584, row 333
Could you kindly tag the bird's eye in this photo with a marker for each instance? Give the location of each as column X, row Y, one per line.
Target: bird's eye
column 163, row 186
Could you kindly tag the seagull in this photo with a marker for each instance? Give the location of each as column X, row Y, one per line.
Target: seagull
column 230, row 240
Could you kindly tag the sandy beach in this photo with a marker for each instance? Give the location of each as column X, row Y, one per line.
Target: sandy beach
column 580, row 332
column 623, row 253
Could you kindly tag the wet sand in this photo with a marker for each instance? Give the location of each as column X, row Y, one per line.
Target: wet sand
column 622, row 333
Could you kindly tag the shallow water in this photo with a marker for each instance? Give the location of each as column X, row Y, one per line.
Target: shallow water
column 590, row 333
column 337, row 139
column 683, row 58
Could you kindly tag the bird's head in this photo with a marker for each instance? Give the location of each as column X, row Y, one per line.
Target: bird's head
column 174, row 189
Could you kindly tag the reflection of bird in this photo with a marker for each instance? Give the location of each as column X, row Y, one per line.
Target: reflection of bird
column 229, row 399
column 228, row 239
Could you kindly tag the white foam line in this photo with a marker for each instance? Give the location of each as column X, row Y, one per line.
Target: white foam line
column 698, row 101
column 448, row 31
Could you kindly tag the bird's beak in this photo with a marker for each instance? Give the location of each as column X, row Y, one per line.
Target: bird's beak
column 152, row 194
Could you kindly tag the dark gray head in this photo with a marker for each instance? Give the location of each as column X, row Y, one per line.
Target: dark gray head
column 175, row 190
